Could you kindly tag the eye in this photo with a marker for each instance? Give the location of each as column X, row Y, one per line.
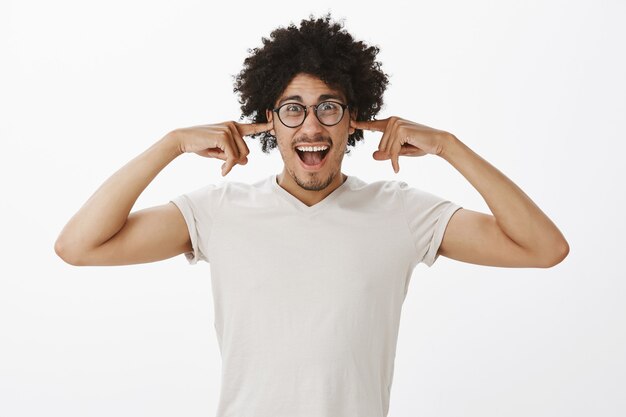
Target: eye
column 293, row 108
column 328, row 105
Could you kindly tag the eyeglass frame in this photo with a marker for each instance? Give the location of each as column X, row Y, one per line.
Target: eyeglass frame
column 315, row 106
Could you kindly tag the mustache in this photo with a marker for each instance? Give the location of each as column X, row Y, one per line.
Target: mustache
column 316, row 139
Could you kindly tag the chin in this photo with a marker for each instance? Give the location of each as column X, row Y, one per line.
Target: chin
column 313, row 184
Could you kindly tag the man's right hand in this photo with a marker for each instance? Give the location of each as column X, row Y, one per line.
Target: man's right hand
column 221, row 140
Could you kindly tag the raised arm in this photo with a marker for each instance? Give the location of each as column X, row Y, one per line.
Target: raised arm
column 103, row 233
column 517, row 234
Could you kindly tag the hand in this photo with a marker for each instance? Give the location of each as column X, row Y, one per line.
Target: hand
column 403, row 137
column 222, row 141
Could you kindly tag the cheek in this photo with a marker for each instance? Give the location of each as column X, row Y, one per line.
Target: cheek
column 284, row 143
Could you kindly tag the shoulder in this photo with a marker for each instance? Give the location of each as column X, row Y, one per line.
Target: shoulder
column 230, row 188
column 413, row 200
column 380, row 186
column 383, row 194
column 384, row 189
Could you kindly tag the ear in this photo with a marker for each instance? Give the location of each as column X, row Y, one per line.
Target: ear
column 269, row 115
column 353, row 114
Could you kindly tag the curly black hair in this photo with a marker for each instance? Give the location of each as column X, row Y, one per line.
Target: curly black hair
column 319, row 47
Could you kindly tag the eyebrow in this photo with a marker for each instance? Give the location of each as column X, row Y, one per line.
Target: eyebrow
column 319, row 99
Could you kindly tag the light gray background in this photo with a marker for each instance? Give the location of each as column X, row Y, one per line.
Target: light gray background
column 536, row 88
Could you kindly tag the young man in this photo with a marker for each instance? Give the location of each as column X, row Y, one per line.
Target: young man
column 310, row 267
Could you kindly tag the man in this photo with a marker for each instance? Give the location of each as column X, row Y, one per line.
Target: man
column 310, row 267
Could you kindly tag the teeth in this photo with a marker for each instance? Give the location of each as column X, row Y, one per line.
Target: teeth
column 311, row 148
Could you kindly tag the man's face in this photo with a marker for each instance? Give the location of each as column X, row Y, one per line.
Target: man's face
column 309, row 90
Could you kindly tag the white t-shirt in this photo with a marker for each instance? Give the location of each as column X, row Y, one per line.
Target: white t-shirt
column 307, row 300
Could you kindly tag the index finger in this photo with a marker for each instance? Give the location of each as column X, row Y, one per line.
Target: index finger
column 246, row 129
column 375, row 125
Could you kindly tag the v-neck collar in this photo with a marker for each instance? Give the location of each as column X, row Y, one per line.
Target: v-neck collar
column 299, row 205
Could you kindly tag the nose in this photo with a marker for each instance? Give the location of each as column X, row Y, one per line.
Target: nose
column 311, row 124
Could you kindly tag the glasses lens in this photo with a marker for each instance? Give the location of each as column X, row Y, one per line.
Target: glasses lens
column 329, row 113
column 291, row 114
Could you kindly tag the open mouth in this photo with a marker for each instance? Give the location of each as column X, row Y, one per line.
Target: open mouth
column 313, row 159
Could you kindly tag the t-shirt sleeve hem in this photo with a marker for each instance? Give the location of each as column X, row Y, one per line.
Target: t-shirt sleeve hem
column 442, row 222
column 183, row 205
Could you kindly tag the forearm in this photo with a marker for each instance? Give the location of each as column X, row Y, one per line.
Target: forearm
column 516, row 214
column 107, row 210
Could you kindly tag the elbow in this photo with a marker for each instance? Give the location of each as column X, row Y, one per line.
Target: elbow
column 67, row 255
column 561, row 252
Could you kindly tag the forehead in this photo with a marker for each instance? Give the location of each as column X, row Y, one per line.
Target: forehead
column 309, row 89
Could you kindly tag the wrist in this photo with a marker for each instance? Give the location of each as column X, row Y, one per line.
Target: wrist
column 172, row 142
column 449, row 144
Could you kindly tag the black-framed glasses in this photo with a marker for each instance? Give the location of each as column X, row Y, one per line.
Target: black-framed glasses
column 329, row 113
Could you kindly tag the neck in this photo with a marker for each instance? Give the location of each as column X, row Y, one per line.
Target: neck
column 309, row 197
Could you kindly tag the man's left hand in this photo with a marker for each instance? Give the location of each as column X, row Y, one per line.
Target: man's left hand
column 403, row 137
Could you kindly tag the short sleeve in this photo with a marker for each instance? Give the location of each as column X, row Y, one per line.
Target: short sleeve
column 427, row 217
column 196, row 208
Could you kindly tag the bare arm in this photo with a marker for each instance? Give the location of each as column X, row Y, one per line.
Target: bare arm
column 103, row 233
column 107, row 211
column 517, row 234
column 149, row 235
